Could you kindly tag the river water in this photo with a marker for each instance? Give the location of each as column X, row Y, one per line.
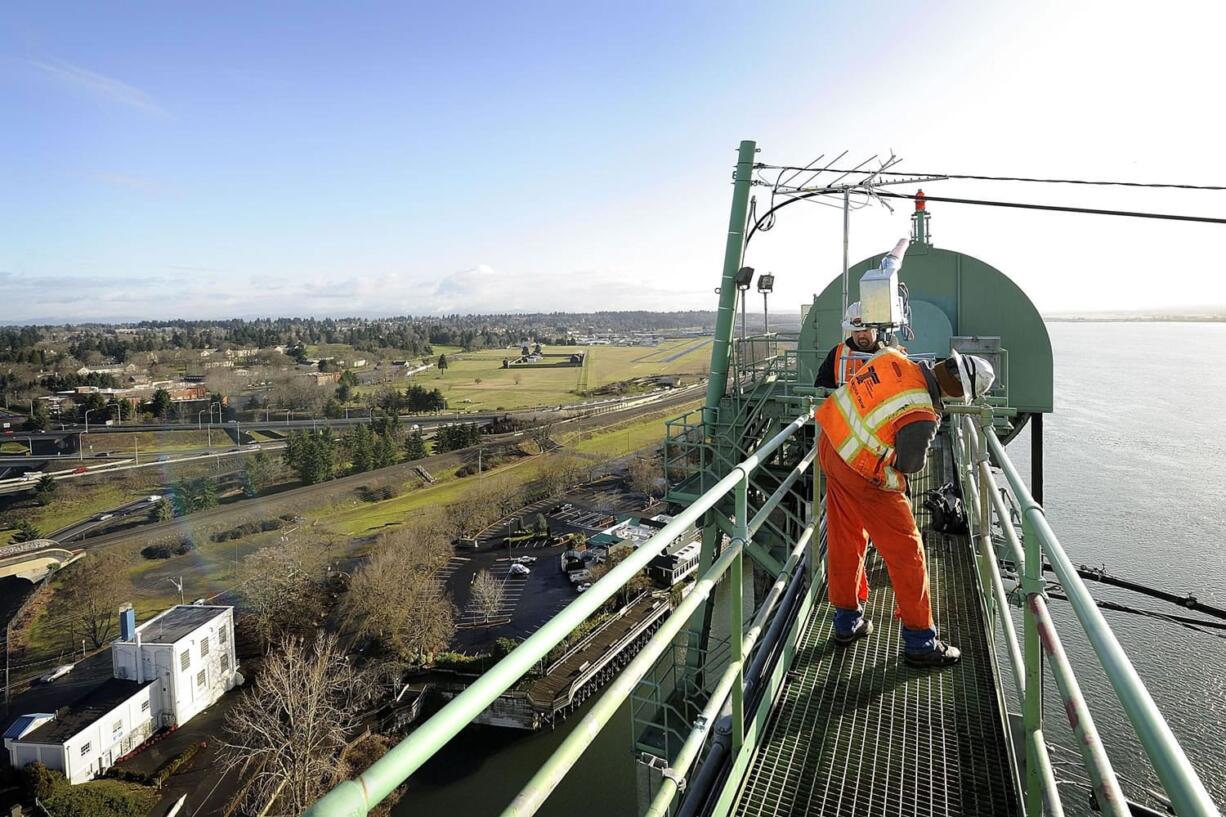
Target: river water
column 1135, row 453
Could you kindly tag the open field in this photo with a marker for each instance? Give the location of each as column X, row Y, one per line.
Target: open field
column 153, row 442
column 476, row 380
column 360, row 518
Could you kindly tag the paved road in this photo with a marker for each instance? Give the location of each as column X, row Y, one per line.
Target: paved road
column 78, row 530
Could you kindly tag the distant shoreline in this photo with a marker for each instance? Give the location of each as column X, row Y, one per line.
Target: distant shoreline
column 1142, row 319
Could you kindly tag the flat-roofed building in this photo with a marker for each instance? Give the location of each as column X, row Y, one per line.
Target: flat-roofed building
column 166, row 671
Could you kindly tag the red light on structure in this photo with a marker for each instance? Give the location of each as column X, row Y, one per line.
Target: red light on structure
column 920, row 205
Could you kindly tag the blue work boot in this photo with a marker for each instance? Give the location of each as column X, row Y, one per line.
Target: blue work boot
column 922, row 648
column 850, row 626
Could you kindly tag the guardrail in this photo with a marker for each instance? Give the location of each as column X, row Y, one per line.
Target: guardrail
column 353, row 798
column 976, row 447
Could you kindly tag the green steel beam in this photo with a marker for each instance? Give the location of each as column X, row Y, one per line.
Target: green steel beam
column 721, row 349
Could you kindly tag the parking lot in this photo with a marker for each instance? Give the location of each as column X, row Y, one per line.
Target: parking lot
column 528, row 601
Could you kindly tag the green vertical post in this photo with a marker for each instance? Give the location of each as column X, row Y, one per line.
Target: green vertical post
column 736, row 605
column 734, row 250
column 1032, row 706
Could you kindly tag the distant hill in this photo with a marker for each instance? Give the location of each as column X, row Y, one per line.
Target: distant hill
column 1197, row 314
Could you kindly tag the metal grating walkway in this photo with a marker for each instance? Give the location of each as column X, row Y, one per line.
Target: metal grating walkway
column 857, row 732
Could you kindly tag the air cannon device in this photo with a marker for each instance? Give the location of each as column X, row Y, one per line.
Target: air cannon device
column 882, row 298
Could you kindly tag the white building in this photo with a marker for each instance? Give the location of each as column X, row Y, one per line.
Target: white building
column 166, row 671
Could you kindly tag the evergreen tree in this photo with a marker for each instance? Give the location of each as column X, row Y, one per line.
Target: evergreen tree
column 26, row 532
column 161, row 404
column 385, row 451
column 45, row 489
column 39, row 418
column 258, row 472
column 442, row 363
column 312, row 455
column 415, row 446
column 161, row 510
column 360, row 443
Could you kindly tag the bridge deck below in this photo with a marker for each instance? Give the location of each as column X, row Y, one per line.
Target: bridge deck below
column 856, row 731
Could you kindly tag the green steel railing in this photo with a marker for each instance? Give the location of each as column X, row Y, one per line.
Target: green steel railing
column 354, row 798
column 976, row 446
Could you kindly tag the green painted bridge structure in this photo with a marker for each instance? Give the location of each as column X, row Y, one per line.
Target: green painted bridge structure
column 741, row 705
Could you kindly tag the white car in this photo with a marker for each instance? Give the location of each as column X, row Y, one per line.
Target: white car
column 58, row 672
column 153, row 498
column 519, row 570
column 524, row 560
column 583, row 586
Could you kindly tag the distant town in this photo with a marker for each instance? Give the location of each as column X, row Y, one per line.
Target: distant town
column 196, row 516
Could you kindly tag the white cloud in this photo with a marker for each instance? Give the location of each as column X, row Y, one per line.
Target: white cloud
column 98, row 86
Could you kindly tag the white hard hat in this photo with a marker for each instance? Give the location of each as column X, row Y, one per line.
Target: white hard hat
column 974, row 373
column 851, row 318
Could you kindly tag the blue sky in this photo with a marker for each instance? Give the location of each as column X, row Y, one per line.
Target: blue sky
column 212, row 160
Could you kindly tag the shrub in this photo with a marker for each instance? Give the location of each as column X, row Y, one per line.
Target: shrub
column 167, row 549
column 101, row 798
column 41, row 781
column 174, row 764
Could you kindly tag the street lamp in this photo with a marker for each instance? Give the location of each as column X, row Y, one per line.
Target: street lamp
column 199, row 423
column 87, row 413
column 766, row 284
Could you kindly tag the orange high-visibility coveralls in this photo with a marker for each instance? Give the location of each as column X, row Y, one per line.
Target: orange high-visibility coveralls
column 856, row 510
column 864, row 493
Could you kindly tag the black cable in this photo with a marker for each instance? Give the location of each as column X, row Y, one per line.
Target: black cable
column 769, row 214
column 1059, row 208
column 1199, row 625
column 1093, row 182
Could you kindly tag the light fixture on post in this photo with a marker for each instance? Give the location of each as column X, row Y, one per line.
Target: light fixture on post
column 766, row 284
column 744, row 277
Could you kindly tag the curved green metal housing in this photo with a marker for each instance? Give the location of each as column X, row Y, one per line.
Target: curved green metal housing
column 952, row 294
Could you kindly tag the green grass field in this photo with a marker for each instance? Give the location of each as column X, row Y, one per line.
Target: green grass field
column 72, row 504
column 361, row 518
column 123, row 445
column 477, row 381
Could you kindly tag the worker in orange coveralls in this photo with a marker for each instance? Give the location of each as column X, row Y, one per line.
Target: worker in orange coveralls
column 874, row 430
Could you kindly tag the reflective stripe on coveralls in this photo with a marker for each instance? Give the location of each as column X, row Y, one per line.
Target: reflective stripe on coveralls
column 843, row 358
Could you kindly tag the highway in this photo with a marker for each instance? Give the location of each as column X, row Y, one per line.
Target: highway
column 78, row 530
column 83, row 466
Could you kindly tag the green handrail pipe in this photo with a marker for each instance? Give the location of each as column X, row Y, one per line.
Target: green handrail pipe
column 355, row 798
column 1183, row 786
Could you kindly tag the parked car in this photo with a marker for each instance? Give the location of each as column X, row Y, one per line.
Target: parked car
column 519, row 570
column 524, row 560
column 58, row 672
column 583, row 586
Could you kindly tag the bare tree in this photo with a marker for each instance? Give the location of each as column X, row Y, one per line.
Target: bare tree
column 395, row 599
column 644, row 477
column 291, row 728
column 487, row 595
column 90, row 592
column 541, row 435
column 281, row 587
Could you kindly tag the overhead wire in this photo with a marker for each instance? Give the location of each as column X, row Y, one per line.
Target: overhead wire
column 971, row 177
column 1058, row 208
